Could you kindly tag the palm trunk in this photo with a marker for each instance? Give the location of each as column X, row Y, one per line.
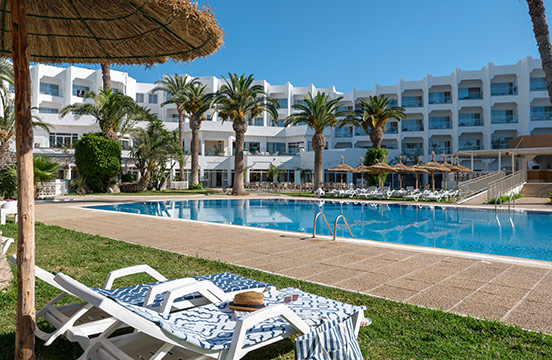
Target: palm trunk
column 5, row 154
column 145, row 180
column 542, row 35
column 195, row 152
column 240, row 127
column 376, row 136
column 318, row 145
column 106, row 76
column 181, row 144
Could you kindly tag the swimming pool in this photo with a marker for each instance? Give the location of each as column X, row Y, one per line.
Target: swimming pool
column 517, row 233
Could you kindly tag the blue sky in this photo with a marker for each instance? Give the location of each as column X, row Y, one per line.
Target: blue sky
column 356, row 44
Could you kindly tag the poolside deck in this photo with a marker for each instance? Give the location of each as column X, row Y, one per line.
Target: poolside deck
column 513, row 293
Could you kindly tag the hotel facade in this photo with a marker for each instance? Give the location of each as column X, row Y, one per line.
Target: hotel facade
column 465, row 111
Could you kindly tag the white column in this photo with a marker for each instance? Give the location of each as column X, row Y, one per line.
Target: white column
column 513, row 163
column 472, row 161
column 499, row 160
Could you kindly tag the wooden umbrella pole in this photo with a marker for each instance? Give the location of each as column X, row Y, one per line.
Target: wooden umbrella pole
column 25, row 320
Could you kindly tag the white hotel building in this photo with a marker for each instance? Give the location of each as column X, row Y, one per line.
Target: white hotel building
column 467, row 110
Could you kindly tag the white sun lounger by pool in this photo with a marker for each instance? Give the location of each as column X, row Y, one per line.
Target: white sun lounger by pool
column 80, row 321
column 8, row 208
column 210, row 331
column 6, row 242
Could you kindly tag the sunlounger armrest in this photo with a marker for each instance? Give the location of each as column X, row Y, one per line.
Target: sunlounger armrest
column 205, row 288
column 236, row 350
column 166, row 286
column 131, row 270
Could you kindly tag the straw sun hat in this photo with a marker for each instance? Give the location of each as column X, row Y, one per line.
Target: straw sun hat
column 247, row 301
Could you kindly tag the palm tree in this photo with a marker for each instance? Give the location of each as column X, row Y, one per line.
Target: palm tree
column 373, row 116
column 106, row 76
column 7, row 127
column 318, row 112
column 540, row 28
column 238, row 100
column 45, row 170
column 273, row 171
column 153, row 148
column 197, row 102
column 176, row 87
column 115, row 112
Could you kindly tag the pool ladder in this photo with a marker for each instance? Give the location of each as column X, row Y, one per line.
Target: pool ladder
column 511, row 199
column 333, row 233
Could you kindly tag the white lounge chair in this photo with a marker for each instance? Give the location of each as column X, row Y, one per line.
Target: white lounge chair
column 211, row 331
column 6, row 242
column 383, row 192
column 319, row 192
column 78, row 322
column 8, row 208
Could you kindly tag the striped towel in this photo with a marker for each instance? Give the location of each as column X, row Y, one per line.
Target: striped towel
column 332, row 340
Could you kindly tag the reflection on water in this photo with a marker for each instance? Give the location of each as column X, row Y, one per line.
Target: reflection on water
column 518, row 234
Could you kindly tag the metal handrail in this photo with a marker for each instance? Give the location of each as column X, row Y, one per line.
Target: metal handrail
column 506, row 184
column 314, row 224
column 346, row 224
column 480, row 183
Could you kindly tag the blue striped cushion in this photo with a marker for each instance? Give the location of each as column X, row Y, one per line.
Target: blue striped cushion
column 212, row 326
column 334, row 340
column 227, row 282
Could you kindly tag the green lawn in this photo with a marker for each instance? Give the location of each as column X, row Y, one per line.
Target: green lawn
column 167, row 192
column 399, row 331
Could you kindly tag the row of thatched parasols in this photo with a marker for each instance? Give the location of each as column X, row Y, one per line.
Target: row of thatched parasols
column 382, row 168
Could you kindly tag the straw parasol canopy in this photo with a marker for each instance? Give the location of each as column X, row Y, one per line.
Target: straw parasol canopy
column 341, row 168
column 434, row 166
column 115, row 31
column 81, row 31
column 457, row 168
column 381, row 168
column 419, row 168
column 361, row 168
column 402, row 168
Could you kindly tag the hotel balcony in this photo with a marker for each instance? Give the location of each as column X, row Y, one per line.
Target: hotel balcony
column 412, row 101
column 503, row 89
column 470, row 94
column 412, row 125
column 440, row 98
column 469, row 144
column 503, row 117
column 541, row 113
column 465, row 120
column 440, row 122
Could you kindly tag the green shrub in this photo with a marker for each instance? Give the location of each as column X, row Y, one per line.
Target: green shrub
column 8, row 182
column 505, row 199
column 98, row 160
column 127, row 178
column 373, row 156
column 195, row 186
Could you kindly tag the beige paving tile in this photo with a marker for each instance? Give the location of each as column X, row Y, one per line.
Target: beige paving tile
column 492, row 299
column 480, row 273
column 367, row 265
column 432, row 301
column 392, row 292
column 533, row 307
column 463, row 283
column 525, row 280
column 529, row 321
column 344, row 260
column 396, row 255
column 449, row 291
column 303, row 271
column 484, row 311
column 364, row 282
column 410, row 284
column 334, row 276
column 540, row 296
column 508, row 291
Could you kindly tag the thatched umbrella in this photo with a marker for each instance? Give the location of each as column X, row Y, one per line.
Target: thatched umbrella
column 341, row 168
column 78, row 31
column 419, row 168
column 361, row 168
column 433, row 166
column 381, row 168
column 402, row 168
column 457, row 168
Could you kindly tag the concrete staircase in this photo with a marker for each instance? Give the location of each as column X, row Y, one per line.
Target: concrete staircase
column 537, row 190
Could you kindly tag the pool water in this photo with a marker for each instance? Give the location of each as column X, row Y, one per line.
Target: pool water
column 517, row 233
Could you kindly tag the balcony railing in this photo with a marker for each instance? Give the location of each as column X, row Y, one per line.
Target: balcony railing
column 504, row 119
column 468, row 145
column 500, row 143
column 343, row 132
column 437, row 123
column 546, row 116
column 501, row 89
column 439, row 98
column 391, row 129
column 412, row 126
column 466, row 94
column 439, row 149
column 412, row 151
column 412, row 101
column 470, row 120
